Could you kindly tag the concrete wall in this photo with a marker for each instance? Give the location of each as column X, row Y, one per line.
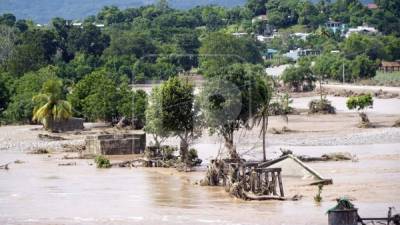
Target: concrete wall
column 116, row 144
column 66, row 125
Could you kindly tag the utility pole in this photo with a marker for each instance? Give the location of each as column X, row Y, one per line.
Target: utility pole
column 343, row 73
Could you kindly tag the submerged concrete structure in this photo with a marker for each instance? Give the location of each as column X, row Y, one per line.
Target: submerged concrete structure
column 70, row 124
column 116, row 144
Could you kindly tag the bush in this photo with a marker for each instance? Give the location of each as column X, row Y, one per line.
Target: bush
column 360, row 102
column 193, row 157
column 102, row 162
column 281, row 106
column 322, row 106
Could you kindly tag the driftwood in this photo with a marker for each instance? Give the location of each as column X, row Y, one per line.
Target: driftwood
column 67, row 164
column 129, row 163
column 86, row 156
column 4, row 167
column 336, row 156
column 40, row 151
column 73, row 148
column 49, row 137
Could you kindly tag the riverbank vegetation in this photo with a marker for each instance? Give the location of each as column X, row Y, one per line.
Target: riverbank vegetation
column 97, row 59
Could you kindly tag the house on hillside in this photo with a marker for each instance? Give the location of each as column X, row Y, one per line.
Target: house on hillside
column 336, row 26
column 302, row 36
column 388, row 67
column 361, row 30
column 269, row 53
column 297, row 53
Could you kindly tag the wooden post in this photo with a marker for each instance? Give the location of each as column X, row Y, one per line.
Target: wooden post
column 280, row 184
column 273, row 183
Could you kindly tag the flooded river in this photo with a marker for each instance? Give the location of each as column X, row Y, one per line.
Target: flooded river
column 41, row 192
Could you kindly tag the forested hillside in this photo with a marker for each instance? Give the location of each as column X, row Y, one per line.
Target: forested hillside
column 42, row 11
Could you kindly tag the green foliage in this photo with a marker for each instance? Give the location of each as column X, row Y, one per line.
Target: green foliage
column 96, row 97
column 257, row 7
column 49, row 105
column 220, row 50
column 281, row 105
column 154, row 122
column 21, row 106
column 234, row 95
column 6, row 87
column 102, row 162
column 299, row 78
column 360, row 102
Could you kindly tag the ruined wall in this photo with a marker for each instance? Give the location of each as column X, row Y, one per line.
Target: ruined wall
column 116, row 144
column 66, row 125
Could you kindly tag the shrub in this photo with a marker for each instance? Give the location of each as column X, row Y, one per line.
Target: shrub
column 322, row 106
column 281, row 106
column 359, row 103
column 102, row 162
column 193, row 157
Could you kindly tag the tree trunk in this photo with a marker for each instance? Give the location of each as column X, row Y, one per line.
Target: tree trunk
column 264, row 136
column 183, row 150
column 231, row 147
column 320, row 87
column 364, row 120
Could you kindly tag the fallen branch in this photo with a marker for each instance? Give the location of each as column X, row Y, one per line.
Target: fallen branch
column 4, row 167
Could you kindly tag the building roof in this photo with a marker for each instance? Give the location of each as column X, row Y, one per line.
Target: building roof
column 372, row 6
column 390, row 64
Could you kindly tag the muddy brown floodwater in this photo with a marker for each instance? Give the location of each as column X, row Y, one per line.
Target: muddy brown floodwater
column 41, row 192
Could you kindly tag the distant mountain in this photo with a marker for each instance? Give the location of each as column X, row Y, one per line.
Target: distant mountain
column 41, row 11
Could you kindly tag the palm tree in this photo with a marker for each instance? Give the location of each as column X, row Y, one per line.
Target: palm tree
column 262, row 115
column 49, row 105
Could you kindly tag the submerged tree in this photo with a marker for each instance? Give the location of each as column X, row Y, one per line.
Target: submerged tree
column 230, row 99
column 154, row 123
column 178, row 112
column 360, row 103
column 262, row 115
column 48, row 104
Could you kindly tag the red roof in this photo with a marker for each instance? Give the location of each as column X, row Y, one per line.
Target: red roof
column 372, row 6
column 390, row 64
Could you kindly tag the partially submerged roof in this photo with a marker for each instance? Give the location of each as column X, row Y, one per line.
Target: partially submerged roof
column 294, row 167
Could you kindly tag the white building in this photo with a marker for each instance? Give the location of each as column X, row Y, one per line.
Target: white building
column 302, row 36
column 361, row 30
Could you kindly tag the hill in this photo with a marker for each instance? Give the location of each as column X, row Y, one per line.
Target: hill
column 42, row 11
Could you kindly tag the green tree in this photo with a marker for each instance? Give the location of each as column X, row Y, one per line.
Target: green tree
column 133, row 105
column 230, row 98
column 49, row 105
column 257, row 7
column 154, row 121
column 263, row 113
column 299, row 78
column 21, row 105
column 220, row 50
column 95, row 97
column 178, row 114
column 360, row 103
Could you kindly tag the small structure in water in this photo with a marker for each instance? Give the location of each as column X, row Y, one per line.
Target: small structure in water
column 116, row 144
column 258, row 180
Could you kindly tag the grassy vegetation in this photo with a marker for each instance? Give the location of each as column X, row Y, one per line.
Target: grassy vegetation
column 384, row 79
column 102, row 162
